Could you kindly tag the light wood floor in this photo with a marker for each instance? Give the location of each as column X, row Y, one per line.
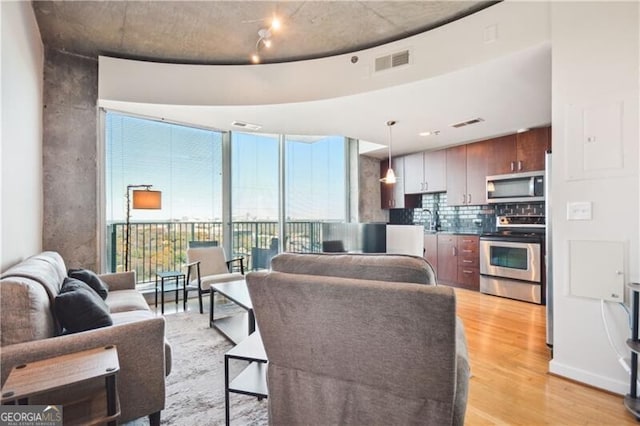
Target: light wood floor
column 510, row 383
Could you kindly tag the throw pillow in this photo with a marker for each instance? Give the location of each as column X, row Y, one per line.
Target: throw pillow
column 79, row 308
column 92, row 280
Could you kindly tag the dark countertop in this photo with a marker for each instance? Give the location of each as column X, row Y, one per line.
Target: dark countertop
column 463, row 232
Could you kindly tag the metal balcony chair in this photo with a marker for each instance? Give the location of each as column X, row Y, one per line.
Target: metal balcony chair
column 206, row 266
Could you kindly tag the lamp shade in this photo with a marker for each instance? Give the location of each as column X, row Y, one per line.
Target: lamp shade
column 390, row 177
column 146, row 199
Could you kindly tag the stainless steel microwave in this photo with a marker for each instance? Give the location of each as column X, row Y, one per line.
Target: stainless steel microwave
column 516, row 187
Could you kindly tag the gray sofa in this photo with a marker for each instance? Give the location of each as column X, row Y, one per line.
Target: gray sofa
column 29, row 332
column 360, row 339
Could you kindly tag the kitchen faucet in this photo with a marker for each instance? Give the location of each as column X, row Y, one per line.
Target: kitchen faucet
column 431, row 222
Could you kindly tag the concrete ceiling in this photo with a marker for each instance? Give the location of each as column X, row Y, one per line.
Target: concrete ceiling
column 226, row 32
column 515, row 91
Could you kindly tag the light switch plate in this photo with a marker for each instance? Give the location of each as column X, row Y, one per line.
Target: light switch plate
column 579, row 210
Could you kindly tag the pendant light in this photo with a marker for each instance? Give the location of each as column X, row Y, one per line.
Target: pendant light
column 390, row 177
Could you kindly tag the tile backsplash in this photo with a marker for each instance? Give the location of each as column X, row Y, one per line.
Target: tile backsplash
column 475, row 219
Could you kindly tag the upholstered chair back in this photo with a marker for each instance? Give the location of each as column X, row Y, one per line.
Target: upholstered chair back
column 350, row 344
column 212, row 260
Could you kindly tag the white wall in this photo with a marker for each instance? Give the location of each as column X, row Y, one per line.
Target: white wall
column 21, row 149
column 595, row 52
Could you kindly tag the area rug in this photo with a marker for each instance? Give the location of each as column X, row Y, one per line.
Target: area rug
column 195, row 387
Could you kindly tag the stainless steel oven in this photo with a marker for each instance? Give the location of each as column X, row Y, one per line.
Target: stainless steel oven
column 511, row 262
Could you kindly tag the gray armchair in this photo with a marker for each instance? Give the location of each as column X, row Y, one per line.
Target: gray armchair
column 360, row 339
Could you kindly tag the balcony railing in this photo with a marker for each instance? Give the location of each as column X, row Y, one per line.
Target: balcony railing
column 162, row 246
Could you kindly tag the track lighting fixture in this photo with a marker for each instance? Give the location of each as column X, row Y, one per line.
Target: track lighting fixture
column 264, row 39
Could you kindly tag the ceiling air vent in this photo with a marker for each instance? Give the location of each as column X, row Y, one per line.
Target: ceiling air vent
column 393, row 60
column 467, row 123
column 244, row 125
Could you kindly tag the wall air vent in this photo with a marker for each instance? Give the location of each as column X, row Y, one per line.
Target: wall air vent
column 467, row 123
column 393, row 60
column 247, row 126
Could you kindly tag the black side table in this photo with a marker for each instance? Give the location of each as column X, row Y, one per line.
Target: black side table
column 168, row 275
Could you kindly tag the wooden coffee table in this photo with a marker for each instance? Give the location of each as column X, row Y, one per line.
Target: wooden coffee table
column 234, row 327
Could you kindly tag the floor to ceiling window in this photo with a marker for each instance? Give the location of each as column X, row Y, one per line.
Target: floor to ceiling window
column 274, row 206
column 254, row 197
column 315, row 189
column 185, row 164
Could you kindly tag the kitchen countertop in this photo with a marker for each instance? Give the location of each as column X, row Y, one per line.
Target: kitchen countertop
column 427, row 232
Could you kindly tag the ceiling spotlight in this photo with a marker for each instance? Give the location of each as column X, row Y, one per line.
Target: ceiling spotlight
column 255, row 58
column 267, row 43
column 275, row 23
column 430, row 133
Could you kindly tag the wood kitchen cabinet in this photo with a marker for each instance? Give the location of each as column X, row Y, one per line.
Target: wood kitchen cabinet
column 469, row 262
column 522, row 152
column 392, row 196
column 531, row 148
column 447, row 270
column 425, row 172
column 431, row 249
column 458, row 261
column 466, row 167
column 501, row 155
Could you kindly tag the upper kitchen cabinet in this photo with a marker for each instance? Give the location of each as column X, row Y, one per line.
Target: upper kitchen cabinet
column 466, row 174
column 501, row 155
column 531, row 147
column 392, row 196
column 425, row 172
column 522, row 152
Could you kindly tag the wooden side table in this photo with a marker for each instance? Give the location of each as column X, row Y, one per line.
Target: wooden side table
column 54, row 374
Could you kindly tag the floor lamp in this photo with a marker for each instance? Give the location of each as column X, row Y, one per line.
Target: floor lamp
column 142, row 199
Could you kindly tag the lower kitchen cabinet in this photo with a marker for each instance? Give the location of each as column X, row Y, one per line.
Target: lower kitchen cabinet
column 458, row 261
column 431, row 249
column 447, row 270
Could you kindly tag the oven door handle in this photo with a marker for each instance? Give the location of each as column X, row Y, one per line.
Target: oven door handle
column 532, row 186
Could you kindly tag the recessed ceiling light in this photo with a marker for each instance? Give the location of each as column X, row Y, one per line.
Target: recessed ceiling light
column 524, row 129
column 430, row 133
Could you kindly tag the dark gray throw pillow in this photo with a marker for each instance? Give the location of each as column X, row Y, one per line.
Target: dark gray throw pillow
column 79, row 308
column 92, row 280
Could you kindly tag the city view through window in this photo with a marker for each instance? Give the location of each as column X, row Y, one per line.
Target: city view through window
column 185, row 163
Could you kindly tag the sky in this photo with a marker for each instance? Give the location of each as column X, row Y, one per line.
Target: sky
column 186, row 163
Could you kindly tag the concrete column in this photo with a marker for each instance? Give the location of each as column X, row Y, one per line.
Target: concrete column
column 70, row 216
